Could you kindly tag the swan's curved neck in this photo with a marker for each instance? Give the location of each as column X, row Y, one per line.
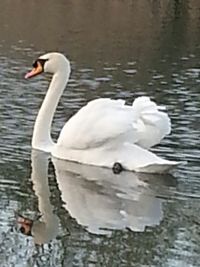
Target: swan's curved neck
column 42, row 130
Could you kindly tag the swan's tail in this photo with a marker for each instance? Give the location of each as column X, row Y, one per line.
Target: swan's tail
column 159, row 167
column 151, row 122
column 135, row 158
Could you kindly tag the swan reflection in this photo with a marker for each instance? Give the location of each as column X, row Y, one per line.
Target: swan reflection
column 102, row 201
column 96, row 198
column 45, row 227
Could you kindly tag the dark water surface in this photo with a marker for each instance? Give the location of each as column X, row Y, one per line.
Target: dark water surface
column 118, row 49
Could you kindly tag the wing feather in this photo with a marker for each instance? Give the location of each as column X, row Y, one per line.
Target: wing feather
column 105, row 120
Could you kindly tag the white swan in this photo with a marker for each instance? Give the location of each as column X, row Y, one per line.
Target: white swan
column 103, row 132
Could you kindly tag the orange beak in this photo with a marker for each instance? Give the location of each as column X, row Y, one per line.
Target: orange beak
column 35, row 71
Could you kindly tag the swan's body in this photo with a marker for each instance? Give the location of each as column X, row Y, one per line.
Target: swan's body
column 104, row 131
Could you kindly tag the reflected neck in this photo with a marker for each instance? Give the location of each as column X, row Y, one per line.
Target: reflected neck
column 41, row 139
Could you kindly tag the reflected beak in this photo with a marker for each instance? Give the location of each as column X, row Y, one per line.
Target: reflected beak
column 25, row 225
column 35, row 71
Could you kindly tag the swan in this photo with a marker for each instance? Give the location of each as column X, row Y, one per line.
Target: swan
column 105, row 132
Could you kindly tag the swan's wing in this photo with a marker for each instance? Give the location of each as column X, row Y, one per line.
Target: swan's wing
column 104, row 120
column 152, row 123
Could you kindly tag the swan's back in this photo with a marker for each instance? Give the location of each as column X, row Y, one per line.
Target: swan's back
column 104, row 120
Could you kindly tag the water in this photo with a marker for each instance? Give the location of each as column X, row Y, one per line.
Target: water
column 118, row 49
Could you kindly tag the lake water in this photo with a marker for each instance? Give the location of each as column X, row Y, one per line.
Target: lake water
column 91, row 217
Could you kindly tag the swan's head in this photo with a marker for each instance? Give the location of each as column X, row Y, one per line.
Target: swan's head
column 51, row 63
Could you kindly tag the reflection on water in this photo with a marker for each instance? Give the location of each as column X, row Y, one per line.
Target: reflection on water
column 45, row 228
column 97, row 198
column 100, row 200
column 118, row 49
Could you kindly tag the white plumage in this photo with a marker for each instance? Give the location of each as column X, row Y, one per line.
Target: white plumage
column 103, row 121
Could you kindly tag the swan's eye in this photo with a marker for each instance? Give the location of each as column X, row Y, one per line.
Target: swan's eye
column 42, row 61
column 39, row 61
column 35, row 64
